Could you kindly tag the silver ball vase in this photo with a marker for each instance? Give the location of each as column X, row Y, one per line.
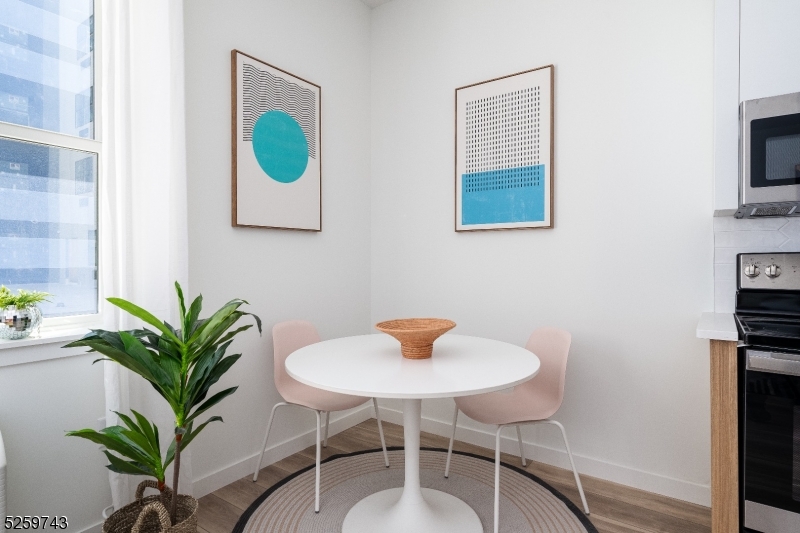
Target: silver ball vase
column 19, row 323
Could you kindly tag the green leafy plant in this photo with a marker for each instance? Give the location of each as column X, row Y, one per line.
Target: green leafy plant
column 22, row 299
column 139, row 442
column 181, row 364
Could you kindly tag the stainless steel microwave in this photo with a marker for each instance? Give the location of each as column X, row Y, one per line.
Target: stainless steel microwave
column 769, row 162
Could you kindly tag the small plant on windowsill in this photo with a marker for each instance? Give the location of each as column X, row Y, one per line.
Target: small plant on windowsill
column 19, row 313
column 182, row 364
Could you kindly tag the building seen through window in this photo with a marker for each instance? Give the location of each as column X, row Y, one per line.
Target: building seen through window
column 48, row 169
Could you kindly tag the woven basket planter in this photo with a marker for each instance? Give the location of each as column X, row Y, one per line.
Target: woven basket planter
column 150, row 514
column 416, row 335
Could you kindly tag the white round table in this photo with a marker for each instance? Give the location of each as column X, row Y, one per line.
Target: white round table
column 371, row 366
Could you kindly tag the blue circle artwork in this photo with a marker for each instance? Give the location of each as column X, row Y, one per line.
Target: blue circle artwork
column 280, row 146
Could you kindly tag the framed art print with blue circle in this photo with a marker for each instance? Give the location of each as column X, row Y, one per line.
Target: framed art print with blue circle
column 276, row 147
column 504, row 152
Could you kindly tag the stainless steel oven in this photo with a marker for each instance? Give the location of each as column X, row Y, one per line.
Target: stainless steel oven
column 772, row 441
column 768, row 319
column 769, row 165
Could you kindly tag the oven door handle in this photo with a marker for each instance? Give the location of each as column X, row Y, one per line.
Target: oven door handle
column 773, row 363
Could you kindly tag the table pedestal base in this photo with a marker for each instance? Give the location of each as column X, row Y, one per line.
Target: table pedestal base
column 411, row 509
column 436, row 512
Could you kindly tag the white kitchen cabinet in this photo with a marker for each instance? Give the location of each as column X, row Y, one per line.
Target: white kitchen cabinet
column 756, row 54
column 770, row 48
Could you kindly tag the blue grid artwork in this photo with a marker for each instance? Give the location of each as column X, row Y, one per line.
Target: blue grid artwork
column 504, row 180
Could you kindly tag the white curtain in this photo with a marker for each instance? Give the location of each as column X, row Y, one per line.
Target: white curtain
column 143, row 234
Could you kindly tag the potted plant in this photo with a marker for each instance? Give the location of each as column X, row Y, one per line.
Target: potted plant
column 182, row 364
column 19, row 313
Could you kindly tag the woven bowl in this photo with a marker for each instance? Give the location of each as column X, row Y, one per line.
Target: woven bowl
column 416, row 335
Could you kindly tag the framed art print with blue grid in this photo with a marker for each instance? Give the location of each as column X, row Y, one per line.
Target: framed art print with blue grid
column 504, row 152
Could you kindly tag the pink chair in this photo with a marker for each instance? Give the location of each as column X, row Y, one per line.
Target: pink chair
column 288, row 337
column 533, row 402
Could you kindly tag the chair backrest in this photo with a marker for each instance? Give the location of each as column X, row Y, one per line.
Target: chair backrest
column 551, row 346
column 288, row 337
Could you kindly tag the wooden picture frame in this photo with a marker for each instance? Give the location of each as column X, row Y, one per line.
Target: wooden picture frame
column 504, row 152
column 276, row 147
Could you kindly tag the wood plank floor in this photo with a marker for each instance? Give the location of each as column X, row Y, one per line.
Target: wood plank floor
column 615, row 508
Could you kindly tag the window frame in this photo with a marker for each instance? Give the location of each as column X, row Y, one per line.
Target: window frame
column 54, row 325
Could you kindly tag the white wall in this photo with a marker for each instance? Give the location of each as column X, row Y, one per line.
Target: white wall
column 47, row 472
column 628, row 267
column 322, row 277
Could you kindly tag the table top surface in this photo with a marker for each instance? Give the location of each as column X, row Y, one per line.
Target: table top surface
column 372, row 366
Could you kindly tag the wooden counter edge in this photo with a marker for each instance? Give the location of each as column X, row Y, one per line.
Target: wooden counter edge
column 724, row 438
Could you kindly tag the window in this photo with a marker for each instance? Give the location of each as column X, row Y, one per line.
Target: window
column 49, row 153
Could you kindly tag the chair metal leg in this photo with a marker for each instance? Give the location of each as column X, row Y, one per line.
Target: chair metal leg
column 327, row 423
column 450, row 448
column 572, row 462
column 521, row 449
column 316, row 482
column 266, row 436
column 380, row 432
column 497, row 480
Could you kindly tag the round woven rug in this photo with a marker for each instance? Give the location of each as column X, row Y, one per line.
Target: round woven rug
column 527, row 504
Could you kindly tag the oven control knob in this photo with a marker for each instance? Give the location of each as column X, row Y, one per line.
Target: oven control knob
column 751, row 271
column 772, row 271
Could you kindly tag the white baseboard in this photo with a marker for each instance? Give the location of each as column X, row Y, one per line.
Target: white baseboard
column 276, row 452
column 655, row 483
column 658, row 484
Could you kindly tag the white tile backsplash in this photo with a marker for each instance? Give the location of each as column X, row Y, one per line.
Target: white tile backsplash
column 729, row 223
column 728, row 255
column 724, row 295
column 792, row 245
column 724, row 272
column 734, row 236
column 749, row 239
column 791, row 229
